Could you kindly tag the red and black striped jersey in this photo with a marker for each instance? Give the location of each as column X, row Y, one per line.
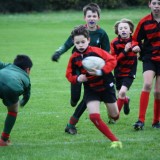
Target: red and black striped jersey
column 126, row 61
column 147, row 36
column 97, row 83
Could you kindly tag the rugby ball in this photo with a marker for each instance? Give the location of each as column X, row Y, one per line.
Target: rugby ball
column 91, row 62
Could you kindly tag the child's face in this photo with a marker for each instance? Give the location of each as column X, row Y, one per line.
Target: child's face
column 91, row 19
column 124, row 30
column 81, row 43
column 154, row 5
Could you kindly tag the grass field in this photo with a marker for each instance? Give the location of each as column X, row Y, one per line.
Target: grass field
column 39, row 130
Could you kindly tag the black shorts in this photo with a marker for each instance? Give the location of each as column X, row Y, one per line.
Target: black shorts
column 107, row 96
column 124, row 81
column 151, row 65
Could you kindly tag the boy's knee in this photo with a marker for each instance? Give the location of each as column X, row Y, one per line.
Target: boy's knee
column 115, row 117
column 157, row 94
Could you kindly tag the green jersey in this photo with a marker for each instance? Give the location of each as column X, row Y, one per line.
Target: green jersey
column 14, row 82
column 98, row 38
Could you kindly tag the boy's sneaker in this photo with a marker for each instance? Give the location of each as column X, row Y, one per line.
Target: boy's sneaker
column 138, row 125
column 156, row 125
column 116, row 144
column 71, row 130
column 111, row 121
column 4, row 143
column 126, row 108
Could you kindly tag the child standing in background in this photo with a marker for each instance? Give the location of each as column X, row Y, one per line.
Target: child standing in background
column 146, row 39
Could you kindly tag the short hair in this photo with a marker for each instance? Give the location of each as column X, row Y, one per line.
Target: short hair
column 151, row 1
column 124, row 20
column 93, row 7
column 23, row 62
column 80, row 30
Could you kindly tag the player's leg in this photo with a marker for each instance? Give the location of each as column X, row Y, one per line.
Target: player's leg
column 75, row 94
column 125, row 84
column 148, row 77
column 120, row 90
column 70, row 128
column 156, row 113
column 9, row 123
column 94, row 115
column 121, row 97
column 109, row 98
column 114, row 114
column 113, row 111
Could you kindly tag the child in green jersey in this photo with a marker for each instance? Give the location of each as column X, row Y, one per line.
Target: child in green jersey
column 14, row 82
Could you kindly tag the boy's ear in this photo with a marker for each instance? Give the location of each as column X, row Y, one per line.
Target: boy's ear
column 149, row 4
column 89, row 40
column 28, row 70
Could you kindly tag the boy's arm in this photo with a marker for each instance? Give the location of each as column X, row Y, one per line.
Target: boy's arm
column 62, row 49
column 105, row 42
column 69, row 72
column 114, row 52
column 138, row 35
column 26, row 97
column 110, row 62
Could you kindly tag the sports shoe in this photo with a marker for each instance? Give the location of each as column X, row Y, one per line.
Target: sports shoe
column 111, row 121
column 116, row 144
column 71, row 130
column 156, row 125
column 126, row 108
column 138, row 125
column 4, row 143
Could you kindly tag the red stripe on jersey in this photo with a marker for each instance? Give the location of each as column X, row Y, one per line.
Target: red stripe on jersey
column 75, row 63
column 127, row 61
column 147, row 34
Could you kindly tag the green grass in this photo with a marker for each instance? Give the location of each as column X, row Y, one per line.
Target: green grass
column 39, row 130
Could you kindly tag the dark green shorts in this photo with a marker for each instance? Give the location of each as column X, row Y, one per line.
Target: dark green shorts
column 8, row 96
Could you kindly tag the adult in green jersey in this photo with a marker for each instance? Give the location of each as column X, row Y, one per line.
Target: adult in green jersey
column 14, row 82
column 98, row 38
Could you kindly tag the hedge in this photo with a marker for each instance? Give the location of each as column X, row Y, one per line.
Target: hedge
column 17, row 6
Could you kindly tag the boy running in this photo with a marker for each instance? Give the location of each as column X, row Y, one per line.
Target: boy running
column 14, row 82
column 125, row 70
column 98, row 84
column 147, row 40
column 98, row 38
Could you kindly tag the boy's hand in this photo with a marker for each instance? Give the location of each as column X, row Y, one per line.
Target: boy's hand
column 55, row 56
column 82, row 78
column 95, row 72
column 127, row 47
column 136, row 49
column 21, row 104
